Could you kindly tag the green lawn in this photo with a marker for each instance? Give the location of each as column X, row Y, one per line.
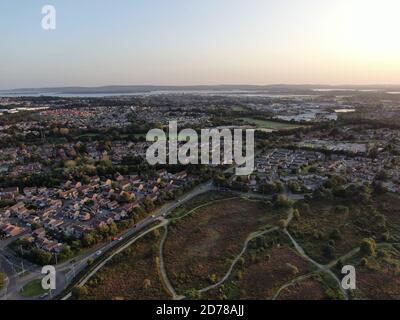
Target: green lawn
column 238, row 109
column 33, row 289
column 267, row 124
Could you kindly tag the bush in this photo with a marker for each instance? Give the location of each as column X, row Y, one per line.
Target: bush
column 283, row 223
column 341, row 210
column 296, row 214
column 336, row 235
column 292, row 268
column 329, row 252
column 364, row 262
column 368, row 247
column 282, row 201
column 79, row 292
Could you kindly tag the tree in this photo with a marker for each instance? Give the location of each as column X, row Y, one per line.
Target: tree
column 70, row 164
column 296, row 214
column 292, row 268
column 336, row 235
column 64, row 131
column 112, row 229
column 283, row 223
column 103, row 230
column 329, row 251
column 127, row 197
column 89, row 240
column 149, row 205
column 66, row 253
column 193, row 294
column 283, row 201
column 368, row 247
column 341, row 209
column 295, row 187
column 147, row 283
column 41, row 257
column 79, row 292
column 106, row 162
column 335, row 182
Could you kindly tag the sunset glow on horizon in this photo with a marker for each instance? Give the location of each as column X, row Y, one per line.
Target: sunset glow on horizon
column 181, row 42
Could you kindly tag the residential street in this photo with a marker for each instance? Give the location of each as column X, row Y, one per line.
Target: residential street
column 67, row 270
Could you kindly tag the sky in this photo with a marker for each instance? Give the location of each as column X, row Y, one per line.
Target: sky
column 193, row 42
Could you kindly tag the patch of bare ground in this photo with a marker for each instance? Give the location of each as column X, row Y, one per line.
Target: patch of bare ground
column 379, row 279
column 327, row 230
column 131, row 275
column 264, row 275
column 199, row 248
column 309, row 289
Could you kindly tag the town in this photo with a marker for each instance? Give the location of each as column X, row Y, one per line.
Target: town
column 74, row 174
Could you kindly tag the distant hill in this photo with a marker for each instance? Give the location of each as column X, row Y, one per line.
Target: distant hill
column 149, row 88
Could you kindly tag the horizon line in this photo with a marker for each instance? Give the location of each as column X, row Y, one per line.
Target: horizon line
column 197, row 85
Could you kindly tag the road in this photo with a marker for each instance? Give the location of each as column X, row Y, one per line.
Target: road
column 159, row 214
column 68, row 270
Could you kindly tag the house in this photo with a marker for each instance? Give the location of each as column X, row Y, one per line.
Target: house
column 85, row 216
column 161, row 172
column 152, row 197
column 129, row 207
column 125, row 184
column 76, row 230
column 53, row 224
column 39, row 233
column 180, row 175
column 29, row 192
column 113, row 205
column 8, row 193
column 11, row 230
column 16, row 208
column 52, row 246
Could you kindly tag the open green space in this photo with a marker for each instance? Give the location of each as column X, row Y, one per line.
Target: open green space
column 268, row 124
column 33, row 289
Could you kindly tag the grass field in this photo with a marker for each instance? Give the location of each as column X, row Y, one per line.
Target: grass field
column 208, row 239
column 314, row 230
column 238, row 109
column 380, row 278
column 310, row 289
column 271, row 125
column 206, row 234
column 33, row 289
column 265, row 273
column 131, row 275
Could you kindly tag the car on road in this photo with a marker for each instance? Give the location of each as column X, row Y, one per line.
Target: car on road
column 153, row 216
column 44, row 296
column 98, row 253
column 120, row 238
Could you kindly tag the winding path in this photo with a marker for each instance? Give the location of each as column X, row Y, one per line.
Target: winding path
column 163, row 271
column 227, row 275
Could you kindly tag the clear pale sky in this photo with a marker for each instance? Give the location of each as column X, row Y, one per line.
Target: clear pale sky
column 179, row 42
